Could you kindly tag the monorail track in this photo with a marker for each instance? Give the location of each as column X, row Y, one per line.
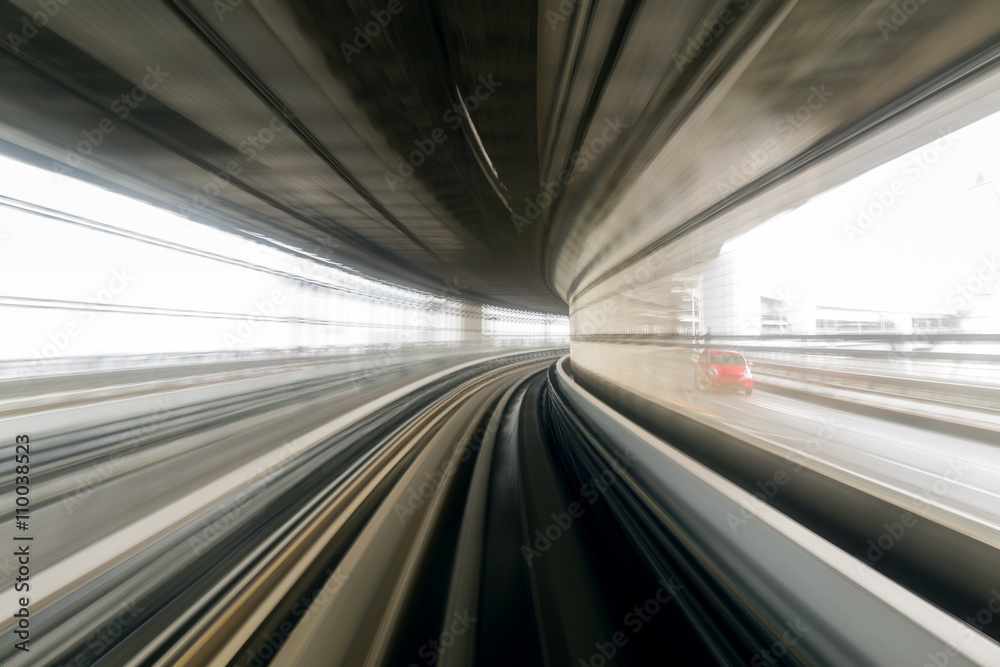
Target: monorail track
column 497, row 515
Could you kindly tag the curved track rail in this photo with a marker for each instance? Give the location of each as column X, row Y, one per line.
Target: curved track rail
column 498, row 515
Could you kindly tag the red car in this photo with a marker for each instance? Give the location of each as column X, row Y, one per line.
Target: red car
column 723, row 369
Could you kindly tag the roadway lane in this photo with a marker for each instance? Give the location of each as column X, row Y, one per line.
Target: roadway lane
column 196, row 461
column 941, row 476
column 181, row 447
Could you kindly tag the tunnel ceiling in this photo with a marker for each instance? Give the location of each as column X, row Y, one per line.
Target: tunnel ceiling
column 385, row 135
column 415, row 140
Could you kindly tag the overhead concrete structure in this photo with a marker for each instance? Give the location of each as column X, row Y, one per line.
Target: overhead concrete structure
column 518, row 152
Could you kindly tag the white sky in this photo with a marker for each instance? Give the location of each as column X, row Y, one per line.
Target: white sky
column 50, row 259
column 935, row 236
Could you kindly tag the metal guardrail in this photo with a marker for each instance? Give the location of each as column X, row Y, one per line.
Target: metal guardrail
column 831, row 345
column 787, row 572
column 32, row 368
column 955, row 380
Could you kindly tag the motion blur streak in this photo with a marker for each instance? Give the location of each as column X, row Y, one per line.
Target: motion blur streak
column 491, row 332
